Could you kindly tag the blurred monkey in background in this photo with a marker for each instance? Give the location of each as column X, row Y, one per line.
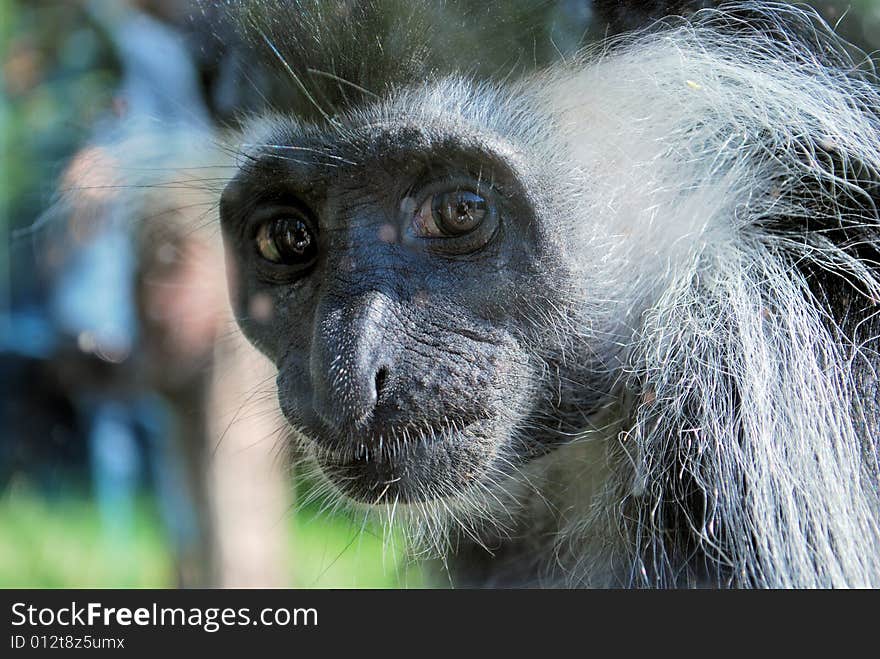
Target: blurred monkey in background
column 139, row 290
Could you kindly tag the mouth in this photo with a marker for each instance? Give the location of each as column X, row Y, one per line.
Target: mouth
column 420, row 468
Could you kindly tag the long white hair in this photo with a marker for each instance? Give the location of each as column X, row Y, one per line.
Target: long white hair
column 729, row 169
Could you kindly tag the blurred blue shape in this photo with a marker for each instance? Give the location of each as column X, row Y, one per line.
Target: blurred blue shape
column 93, row 298
column 116, row 465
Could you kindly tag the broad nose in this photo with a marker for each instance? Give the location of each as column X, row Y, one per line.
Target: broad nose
column 350, row 365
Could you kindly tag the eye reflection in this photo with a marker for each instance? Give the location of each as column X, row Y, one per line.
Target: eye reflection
column 451, row 213
column 287, row 240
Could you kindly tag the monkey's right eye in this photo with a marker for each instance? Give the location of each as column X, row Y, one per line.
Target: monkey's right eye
column 287, row 240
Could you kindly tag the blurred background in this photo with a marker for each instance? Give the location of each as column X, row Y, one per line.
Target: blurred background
column 139, row 440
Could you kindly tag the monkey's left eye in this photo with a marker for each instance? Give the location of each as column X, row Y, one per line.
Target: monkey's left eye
column 287, row 240
column 451, row 213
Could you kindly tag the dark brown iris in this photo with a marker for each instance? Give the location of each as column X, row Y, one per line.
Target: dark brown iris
column 287, row 240
column 458, row 212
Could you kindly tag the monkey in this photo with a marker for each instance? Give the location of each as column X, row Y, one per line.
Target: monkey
column 604, row 322
column 570, row 315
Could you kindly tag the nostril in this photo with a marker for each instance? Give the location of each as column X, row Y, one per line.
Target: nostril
column 381, row 379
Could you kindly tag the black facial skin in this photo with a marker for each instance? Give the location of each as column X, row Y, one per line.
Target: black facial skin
column 406, row 358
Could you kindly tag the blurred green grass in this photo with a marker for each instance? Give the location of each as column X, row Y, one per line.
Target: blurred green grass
column 59, row 543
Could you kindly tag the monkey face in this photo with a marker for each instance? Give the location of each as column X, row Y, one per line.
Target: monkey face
column 393, row 273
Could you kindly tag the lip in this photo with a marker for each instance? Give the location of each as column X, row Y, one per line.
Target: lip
column 373, row 482
column 406, row 472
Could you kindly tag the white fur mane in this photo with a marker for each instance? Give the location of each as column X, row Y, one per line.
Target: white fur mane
column 746, row 391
